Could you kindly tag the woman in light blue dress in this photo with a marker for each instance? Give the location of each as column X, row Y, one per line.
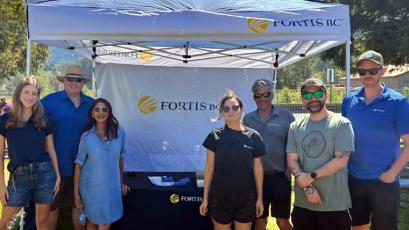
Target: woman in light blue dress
column 99, row 168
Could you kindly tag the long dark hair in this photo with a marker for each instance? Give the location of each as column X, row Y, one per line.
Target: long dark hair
column 112, row 124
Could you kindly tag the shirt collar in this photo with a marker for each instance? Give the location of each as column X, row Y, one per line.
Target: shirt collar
column 384, row 94
column 273, row 112
column 65, row 96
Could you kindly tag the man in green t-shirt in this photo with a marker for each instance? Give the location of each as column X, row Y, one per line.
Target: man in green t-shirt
column 318, row 150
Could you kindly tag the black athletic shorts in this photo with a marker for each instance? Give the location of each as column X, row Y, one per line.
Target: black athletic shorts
column 305, row 219
column 276, row 195
column 238, row 206
column 375, row 200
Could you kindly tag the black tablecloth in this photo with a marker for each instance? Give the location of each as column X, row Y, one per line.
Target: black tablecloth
column 149, row 207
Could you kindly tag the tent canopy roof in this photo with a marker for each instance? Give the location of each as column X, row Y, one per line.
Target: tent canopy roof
column 209, row 33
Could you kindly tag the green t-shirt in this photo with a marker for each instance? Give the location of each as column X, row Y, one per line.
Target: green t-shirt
column 316, row 142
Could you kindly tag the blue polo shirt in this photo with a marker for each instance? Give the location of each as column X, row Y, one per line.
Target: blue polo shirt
column 68, row 124
column 25, row 144
column 377, row 127
column 274, row 131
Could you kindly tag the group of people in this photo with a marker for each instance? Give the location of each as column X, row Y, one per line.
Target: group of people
column 346, row 167
column 68, row 149
column 65, row 150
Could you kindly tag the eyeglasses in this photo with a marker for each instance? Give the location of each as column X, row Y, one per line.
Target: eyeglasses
column 371, row 71
column 75, row 79
column 226, row 109
column 265, row 95
column 317, row 94
column 104, row 110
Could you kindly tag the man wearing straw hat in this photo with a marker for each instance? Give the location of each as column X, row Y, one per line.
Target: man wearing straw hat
column 67, row 111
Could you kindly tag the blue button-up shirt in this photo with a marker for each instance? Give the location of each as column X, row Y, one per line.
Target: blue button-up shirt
column 100, row 180
column 68, row 123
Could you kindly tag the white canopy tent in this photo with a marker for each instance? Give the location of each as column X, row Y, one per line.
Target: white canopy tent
column 214, row 38
column 191, row 33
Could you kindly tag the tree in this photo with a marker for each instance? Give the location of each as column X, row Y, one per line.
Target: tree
column 13, row 42
column 381, row 25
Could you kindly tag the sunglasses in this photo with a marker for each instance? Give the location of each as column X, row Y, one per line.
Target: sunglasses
column 226, row 109
column 317, row 94
column 75, row 79
column 260, row 95
column 371, row 71
column 104, row 110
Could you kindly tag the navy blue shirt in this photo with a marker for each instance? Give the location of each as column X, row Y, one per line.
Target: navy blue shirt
column 377, row 127
column 234, row 158
column 25, row 144
column 68, row 124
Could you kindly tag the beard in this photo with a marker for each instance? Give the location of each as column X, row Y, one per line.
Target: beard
column 315, row 106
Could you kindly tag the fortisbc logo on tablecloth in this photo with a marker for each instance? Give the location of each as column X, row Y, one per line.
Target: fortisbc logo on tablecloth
column 175, row 198
column 148, row 105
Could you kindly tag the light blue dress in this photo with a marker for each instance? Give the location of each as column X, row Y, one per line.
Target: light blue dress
column 100, row 184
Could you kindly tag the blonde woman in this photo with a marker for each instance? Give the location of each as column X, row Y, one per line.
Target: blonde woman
column 233, row 179
column 33, row 162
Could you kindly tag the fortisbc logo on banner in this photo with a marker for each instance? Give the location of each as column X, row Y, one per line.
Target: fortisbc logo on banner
column 148, row 105
column 175, row 198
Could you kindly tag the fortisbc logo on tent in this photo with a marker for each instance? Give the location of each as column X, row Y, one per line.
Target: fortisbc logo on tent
column 147, row 105
column 145, row 57
column 257, row 25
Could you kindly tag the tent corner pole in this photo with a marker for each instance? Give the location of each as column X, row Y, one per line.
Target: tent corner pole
column 348, row 66
column 275, row 85
column 28, row 57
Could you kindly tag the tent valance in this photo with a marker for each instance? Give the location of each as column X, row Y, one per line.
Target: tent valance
column 204, row 33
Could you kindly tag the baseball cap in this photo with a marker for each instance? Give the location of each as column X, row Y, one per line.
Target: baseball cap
column 312, row 82
column 372, row 56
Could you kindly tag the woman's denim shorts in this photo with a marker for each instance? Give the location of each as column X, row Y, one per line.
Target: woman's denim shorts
column 32, row 180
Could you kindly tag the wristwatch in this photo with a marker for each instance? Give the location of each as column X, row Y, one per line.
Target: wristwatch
column 309, row 189
column 313, row 175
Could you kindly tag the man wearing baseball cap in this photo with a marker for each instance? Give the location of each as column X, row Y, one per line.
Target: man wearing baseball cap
column 318, row 150
column 67, row 111
column 379, row 117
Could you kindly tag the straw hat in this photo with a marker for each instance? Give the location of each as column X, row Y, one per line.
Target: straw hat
column 74, row 71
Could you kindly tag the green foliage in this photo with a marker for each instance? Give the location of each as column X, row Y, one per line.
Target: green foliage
column 290, row 77
column 287, row 96
column 13, row 41
column 381, row 25
column 293, row 96
column 405, row 91
column 18, row 220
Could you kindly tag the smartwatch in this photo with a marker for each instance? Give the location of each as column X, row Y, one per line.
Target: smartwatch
column 313, row 175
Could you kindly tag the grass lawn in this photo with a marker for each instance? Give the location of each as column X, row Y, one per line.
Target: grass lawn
column 403, row 219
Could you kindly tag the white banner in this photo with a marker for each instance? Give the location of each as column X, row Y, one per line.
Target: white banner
column 168, row 111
